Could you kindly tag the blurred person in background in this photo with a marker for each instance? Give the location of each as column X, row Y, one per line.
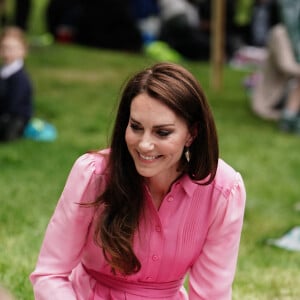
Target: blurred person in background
column 16, row 92
column 180, row 29
column 264, row 16
column 106, row 24
column 62, row 19
column 186, row 25
column 253, row 20
column 276, row 95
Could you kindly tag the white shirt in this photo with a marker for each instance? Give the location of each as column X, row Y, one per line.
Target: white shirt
column 10, row 69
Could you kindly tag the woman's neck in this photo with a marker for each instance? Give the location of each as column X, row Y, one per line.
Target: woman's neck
column 159, row 188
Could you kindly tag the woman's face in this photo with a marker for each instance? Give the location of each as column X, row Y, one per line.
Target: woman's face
column 155, row 138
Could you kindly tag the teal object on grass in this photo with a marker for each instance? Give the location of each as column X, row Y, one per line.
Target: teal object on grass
column 40, row 130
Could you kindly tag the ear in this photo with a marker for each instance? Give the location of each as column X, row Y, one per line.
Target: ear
column 193, row 133
column 189, row 141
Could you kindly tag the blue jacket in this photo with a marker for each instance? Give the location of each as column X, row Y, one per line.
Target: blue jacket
column 16, row 95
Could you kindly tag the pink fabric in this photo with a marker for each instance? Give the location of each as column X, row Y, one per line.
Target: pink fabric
column 156, row 289
column 196, row 231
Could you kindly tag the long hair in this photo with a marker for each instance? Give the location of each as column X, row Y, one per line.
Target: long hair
column 123, row 198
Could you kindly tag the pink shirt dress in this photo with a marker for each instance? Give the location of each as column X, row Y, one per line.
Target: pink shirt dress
column 194, row 237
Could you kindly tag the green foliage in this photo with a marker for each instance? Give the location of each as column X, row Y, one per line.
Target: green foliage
column 77, row 89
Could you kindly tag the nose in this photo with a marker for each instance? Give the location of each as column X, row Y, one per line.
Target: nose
column 146, row 143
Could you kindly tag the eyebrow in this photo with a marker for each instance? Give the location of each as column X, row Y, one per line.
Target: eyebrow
column 156, row 126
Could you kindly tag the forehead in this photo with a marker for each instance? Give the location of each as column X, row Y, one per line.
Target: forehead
column 145, row 108
column 144, row 102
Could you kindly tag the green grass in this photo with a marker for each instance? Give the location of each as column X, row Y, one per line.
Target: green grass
column 76, row 89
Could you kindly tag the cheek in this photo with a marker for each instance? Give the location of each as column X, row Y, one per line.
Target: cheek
column 172, row 148
column 17, row 53
column 178, row 143
column 129, row 137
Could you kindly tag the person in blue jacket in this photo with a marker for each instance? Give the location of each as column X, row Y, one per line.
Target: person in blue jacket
column 16, row 91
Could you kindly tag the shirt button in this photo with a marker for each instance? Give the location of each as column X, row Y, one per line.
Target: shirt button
column 157, row 228
column 170, row 199
column 154, row 257
column 149, row 278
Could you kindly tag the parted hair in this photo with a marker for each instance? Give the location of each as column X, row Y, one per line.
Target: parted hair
column 123, row 197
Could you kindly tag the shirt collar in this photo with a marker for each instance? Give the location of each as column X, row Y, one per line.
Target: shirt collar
column 187, row 184
column 8, row 70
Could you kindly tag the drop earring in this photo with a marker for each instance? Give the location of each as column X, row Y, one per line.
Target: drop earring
column 187, row 155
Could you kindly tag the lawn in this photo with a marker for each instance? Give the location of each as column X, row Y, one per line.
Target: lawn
column 76, row 89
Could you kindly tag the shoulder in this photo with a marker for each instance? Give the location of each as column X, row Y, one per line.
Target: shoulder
column 22, row 73
column 227, row 179
column 225, row 172
column 87, row 176
column 94, row 162
column 20, row 77
column 225, row 195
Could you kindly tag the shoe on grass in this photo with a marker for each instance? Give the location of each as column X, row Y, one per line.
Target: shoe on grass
column 297, row 125
column 289, row 124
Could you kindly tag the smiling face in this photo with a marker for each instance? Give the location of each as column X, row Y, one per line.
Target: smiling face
column 155, row 137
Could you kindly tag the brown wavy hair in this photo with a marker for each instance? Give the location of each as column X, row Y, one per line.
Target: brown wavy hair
column 123, row 198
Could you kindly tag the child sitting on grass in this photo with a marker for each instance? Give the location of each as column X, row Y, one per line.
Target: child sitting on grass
column 16, row 103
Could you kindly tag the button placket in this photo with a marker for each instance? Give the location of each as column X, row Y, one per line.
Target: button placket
column 155, row 257
column 170, row 199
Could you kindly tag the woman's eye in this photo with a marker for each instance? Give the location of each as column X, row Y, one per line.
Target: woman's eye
column 163, row 133
column 135, row 127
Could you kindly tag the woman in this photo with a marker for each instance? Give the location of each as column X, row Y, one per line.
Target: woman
column 276, row 96
column 134, row 219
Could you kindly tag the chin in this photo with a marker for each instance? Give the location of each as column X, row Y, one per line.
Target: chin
column 144, row 173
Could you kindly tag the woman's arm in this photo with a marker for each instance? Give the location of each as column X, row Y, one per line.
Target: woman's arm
column 212, row 274
column 66, row 233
